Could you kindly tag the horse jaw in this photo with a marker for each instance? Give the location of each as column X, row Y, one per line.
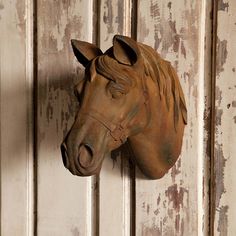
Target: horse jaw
column 154, row 158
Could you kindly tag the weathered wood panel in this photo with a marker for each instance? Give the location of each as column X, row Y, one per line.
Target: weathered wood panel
column 16, row 120
column 176, row 204
column 114, row 182
column 64, row 204
column 225, row 121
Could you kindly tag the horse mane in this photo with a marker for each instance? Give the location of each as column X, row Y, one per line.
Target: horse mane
column 160, row 71
column 112, row 70
column 163, row 74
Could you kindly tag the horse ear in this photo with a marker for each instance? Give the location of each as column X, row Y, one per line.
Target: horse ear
column 84, row 51
column 125, row 50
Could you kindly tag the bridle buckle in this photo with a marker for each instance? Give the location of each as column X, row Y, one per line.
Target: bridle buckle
column 118, row 134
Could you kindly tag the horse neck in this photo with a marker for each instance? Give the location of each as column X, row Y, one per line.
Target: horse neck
column 157, row 146
column 151, row 112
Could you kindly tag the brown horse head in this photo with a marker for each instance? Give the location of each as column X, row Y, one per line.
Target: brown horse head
column 128, row 94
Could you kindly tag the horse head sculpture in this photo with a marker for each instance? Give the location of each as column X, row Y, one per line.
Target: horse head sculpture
column 129, row 93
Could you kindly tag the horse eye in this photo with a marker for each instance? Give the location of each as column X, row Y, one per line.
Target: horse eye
column 115, row 90
column 116, row 94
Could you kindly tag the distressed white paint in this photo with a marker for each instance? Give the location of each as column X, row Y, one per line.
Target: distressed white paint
column 65, row 202
column 16, row 118
column 114, row 181
column 225, row 133
column 207, row 99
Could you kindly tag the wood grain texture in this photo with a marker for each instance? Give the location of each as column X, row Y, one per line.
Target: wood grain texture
column 225, row 120
column 114, row 183
column 16, row 118
column 65, row 202
column 177, row 204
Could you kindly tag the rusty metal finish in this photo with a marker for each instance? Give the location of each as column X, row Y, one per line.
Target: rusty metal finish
column 146, row 108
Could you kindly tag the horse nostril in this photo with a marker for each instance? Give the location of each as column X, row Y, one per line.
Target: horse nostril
column 64, row 154
column 85, row 156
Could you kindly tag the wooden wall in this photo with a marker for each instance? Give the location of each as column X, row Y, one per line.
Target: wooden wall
column 16, row 98
column 38, row 73
column 224, row 149
column 177, row 204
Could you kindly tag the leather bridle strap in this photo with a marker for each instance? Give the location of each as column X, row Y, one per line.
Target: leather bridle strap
column 118, row 132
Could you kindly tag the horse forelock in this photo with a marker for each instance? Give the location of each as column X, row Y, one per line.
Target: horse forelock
column 166, row 79
column 112, row 70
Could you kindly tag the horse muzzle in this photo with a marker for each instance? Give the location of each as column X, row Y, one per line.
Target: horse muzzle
column 83, row 162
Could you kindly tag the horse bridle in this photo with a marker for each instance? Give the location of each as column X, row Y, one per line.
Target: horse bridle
column 119, row 131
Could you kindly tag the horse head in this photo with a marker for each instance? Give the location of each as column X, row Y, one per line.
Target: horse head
column 117, row 100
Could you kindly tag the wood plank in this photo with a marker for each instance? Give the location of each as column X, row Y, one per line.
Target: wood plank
column 225, row 120
column 64, row 201
column 177, row 203
column 16, row 118
column 114, row 182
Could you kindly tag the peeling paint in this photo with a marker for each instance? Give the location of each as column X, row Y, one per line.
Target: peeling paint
column 218, row 94
column 143, row 29
column 183, row 50
column 207, row 128
column 176, row 196
column 108, row 16
column 120, row 18
column 158, row 200
column 58, row 72
column 234, row 119
column 223, row 221
column 233, row 103
column 169, row 5
column 55, row 52
column 148, row 208
column 176, row 170
column 20, row 8
column 155, row 14
column 219, row 117
column 222, row 6
column 75, row 231
column 166, row 36
column 151, row 231
column 224, row 161
column 221, row 55
column 220, row 162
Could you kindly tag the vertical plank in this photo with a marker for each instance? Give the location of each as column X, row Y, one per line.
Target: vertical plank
column 64, row 201
column 225, row 120
column 16, row 118
column 114, row 183
column 177, row 203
